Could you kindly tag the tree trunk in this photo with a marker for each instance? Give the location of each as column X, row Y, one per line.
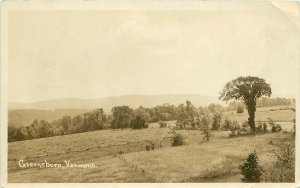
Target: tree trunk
column 251, row 119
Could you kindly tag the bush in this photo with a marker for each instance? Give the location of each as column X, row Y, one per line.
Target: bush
column 259, row 128
column 234, row 126
column 237, row 130
column 240, row 110
column 265, row 127
column 283, row 170
column 227, row 123
column 232, row 134
column 216, row 121
column 162, row 124
column 245, row 127
column 245, row 124
column 177, row 139
column 251, row 169
column 149, row 146
column 275, row 127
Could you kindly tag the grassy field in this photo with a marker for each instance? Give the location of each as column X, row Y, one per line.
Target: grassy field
column 120, row 156
column 262, row 114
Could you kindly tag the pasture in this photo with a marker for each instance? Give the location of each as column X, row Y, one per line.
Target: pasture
column 279, row 114
column 120, row 156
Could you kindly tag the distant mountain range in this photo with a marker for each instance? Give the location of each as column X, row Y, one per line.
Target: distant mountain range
column 107, row 103
column 22, row 114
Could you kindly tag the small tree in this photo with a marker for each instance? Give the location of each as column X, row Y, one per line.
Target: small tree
column 177, row 139
column 216, row 121
column 227, row 124
column 204, row 127
column 186, row 116
column 250, row 169
column 240, row 110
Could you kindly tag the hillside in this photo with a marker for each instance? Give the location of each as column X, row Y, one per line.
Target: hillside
column 107, row 103
column 121, row 156
column 25, row 117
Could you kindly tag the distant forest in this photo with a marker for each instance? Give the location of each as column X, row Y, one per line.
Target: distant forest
column 120, row 117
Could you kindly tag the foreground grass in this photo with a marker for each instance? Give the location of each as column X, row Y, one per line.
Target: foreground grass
column 207, row 161
column 120, row 156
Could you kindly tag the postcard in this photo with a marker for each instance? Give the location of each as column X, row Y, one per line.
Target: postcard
column 150, row 93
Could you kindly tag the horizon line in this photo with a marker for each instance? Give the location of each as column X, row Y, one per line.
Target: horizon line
column 134, row 94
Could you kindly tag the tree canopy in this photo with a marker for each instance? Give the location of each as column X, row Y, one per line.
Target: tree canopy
column 248, row 89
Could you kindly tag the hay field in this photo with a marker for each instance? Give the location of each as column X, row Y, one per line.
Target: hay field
column 120, row 156
column 262, row 114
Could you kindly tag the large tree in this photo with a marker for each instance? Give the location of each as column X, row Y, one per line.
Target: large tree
column 248, row 89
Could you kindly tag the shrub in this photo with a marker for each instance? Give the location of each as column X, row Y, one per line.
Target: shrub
column 240, row 110
column 283, row 170
column 259, row 128
column 152, row 146
column 237, row 130
column 275, row 127
column 162, row 124
column 245, row 127
column 227, row 123
column 265, row 127
column 216, row 121
column 147, row 147
column 232, row 134
column 251, row 169
column 177, row 139
column 234, row 126
column 245, row 124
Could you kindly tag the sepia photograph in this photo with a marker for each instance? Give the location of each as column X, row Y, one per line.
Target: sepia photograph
column 188, row 92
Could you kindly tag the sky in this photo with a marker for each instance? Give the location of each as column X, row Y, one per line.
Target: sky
column 91, row 54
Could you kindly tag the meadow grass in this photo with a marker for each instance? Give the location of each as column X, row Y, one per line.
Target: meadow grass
column 262, row 115
column 120, row 156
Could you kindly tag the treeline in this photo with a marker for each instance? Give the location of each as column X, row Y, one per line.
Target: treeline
column 120, row 117
column 90, row 121
column 187, row 115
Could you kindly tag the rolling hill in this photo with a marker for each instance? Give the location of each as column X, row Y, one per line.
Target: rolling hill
column 22, row 114
column 107, row 103
column 25, row 117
